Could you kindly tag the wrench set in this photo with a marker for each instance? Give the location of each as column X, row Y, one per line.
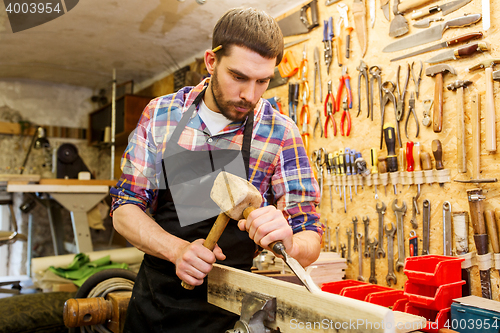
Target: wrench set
column 371, row 245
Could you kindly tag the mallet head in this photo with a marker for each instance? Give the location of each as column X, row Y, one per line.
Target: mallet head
column 234, row 194
column 439, row 69
column 458, row 84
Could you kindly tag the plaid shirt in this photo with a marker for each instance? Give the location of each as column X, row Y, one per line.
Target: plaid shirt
column 277, row 157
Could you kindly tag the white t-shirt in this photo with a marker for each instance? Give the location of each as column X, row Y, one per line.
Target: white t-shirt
column 215, row 121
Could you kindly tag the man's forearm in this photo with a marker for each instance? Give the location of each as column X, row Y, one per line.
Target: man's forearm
column 145, row 234
column 306, row 247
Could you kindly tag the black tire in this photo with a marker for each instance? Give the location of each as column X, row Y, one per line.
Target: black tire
column 99, row 277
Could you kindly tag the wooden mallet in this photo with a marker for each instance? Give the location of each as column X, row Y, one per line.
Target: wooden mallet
column 237, row 198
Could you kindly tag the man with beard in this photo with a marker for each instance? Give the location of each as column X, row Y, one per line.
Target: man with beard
column 182, row 141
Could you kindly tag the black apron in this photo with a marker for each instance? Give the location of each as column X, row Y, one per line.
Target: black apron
column 159, row 303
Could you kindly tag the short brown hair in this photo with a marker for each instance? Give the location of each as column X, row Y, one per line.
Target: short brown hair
column 250, row 28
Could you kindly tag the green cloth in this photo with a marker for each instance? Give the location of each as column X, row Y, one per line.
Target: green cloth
column 81, row 268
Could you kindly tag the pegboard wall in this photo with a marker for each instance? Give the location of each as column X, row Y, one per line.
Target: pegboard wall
column 365, row 133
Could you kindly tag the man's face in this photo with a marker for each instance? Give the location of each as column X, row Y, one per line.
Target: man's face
column 238, row 81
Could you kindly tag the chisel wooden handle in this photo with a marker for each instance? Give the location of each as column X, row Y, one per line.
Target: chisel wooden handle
column 491, row 224
column 416, row 156
column 461, row 151
column 489, row 117
column 437, row 121
column 410, row 4
column 476, row 136
column 437, row 150
column 476, row 211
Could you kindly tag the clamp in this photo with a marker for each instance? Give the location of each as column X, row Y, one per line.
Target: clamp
column 330, row 109
column 344, row 80
column 362, row 68
column 256, row 310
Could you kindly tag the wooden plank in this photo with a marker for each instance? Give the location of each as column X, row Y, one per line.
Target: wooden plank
column 58, row 188
column 6, row 177
column 299, row 311
column 57, row 181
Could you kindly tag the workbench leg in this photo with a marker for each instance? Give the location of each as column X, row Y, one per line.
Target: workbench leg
column 56, row 227
column 82, row 232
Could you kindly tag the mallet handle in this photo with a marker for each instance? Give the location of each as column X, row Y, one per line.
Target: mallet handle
column 215, row 233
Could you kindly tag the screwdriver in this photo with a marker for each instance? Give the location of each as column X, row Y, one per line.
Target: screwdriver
column 336, row 166
column 348, row 168
column 295, row 101
column 354, row 170
column 409, row 158
column 329, row 168
column 390, row 141
column 437, row 150
column 374, row 161
column 382, row 168
column 342, row 173
column 425, row 159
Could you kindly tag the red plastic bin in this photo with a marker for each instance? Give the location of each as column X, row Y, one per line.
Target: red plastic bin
column 432, row 297
column 386, row 298
column 435, row 319
column 400, row 305
column 433, row 270
column 362, row 291
column 337, row 286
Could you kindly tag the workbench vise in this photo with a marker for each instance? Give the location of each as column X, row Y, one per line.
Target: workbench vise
column 256, row 310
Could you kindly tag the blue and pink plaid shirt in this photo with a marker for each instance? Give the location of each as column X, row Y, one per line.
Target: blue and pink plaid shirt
column 279, row 165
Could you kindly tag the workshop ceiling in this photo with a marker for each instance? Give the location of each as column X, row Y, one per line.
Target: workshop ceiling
column 141, row 39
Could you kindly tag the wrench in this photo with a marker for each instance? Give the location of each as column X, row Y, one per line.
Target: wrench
column 366, row 222
column 426, row 214
column 380, row 247
column 390, row 254
column 349, row 233
column 337, row 228
column 360, row 262
column 426, row 120
column 342, row 250
column 373, row 246
column 355, row 229
column 414, row 212
column 400, row 212
column 447, row 228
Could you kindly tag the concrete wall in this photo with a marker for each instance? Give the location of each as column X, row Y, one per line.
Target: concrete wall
column 43, row 103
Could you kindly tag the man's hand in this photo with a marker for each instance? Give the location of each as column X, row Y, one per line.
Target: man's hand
column 266, row 225
column 195, row 261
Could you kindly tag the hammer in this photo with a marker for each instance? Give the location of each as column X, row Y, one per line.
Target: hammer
column 237, row 198
column 490, row 118
column 438, row 71
column 459, row 86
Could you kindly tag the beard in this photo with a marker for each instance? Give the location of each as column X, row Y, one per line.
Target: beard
column 228, row 108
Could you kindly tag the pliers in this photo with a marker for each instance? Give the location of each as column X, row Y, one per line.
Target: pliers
column 317, row 73
column 318, row 123
column 402, row 94
column 330, row 109
column 363, row 72
column 344, row 80
column 304, row 117
column 411, row 110
column 327, row 42
column 388, row 97
column 416, row 79
column 345, row 114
